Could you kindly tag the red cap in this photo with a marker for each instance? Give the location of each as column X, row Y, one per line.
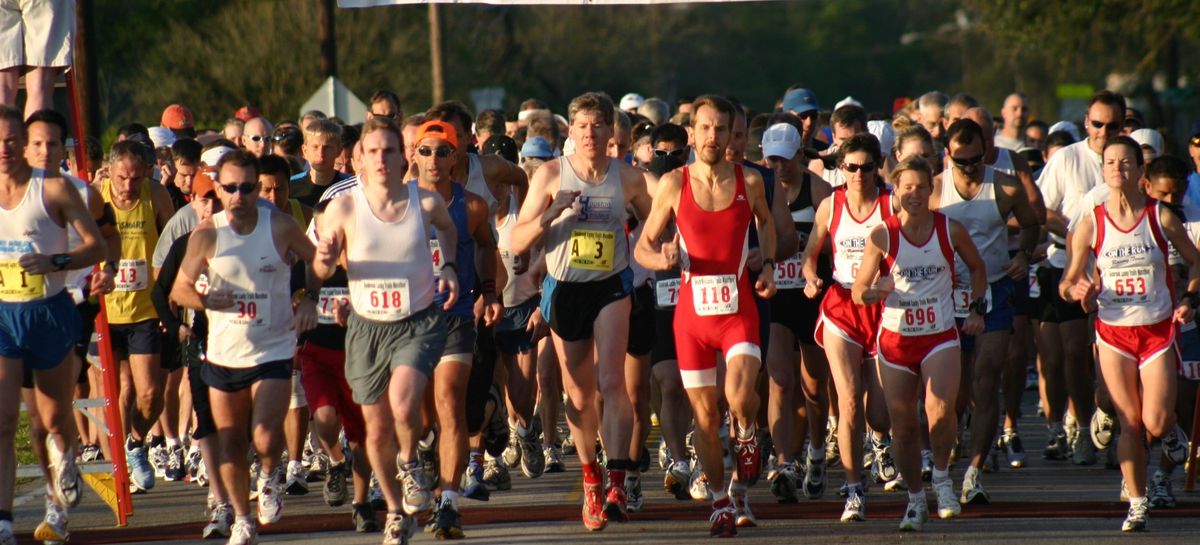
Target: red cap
column 177, row 117
column 202, row 185
column 438, row 129
column 900, row 103
column 246, row 113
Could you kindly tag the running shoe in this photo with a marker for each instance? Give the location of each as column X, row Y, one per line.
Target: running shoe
column 192, row 462
column 832, row 453
column 856, row 506
column 158, row 458
column 884, row 470
column 364, row 518
column 201, row 478
column 495, row 474
column 1124, row 495
column 743, row 516
column 723, row 520
column 334, row 490
column 1175, row 445
column 533, row 460
column 1057, row 448
column 175, row 470
column 1102, row 429
column 243, row 533
column 698, row 487
column 554, row 463
column 677, row 480
column 633, row 489
column 915, row 515
column 495, row 440
column 297, row 479
column 1013, row 450
column 771, row 468
column 593, row 507
column 1138, row 518
column 785, row 485
column 255, row 472
column 472, row 481
column 375, row 495
column 67, row 482
column 91, row 453
column 972, row 491
column 664, row 454
column 568, row 443
column 318, row 467
column 398, row 529
column 512, row 452
column 1160, row 493
column 7, row 537
column 448, row 524
column 1083, row 452
column 53, row 528
column 749, row 457
column 428, row 455
column 220, row 521
column 416, row 492
column 926, row 465
column 947, row 501
column 141, row 474
column 896, row 484
column 270, row 497
column 616, row 500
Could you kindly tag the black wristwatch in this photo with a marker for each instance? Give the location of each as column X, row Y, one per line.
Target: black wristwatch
column 313, row 295
column 769, row 261
column 1191, row 298
column 978, row 306
column 60, row 261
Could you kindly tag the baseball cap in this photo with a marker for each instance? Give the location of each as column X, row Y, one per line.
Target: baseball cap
column 537, row 147
column 202, row 185
column 246, row 113
column 161, row 137
column 800, row 101
column 438, row 129
column 781, row 140
column 631, row 101
column 213, row 155
column 1149, row 137
column 1066, row 126
column 884, row 133
column 849, row 100
column 177, row 117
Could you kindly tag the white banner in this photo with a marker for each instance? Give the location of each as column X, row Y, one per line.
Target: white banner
column 379, row 3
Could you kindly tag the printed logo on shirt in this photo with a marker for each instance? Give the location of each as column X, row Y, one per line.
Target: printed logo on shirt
column 595, row 209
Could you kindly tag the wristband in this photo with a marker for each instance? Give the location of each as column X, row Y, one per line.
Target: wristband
column 450, row 265
column 978, row 306
column 1191, row 298
column 488, row 287
column 770, row 262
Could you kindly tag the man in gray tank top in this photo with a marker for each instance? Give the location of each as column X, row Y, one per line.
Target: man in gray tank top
column 576, row 208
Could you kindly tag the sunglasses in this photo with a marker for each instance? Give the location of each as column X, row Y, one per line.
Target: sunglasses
column 672, row 153
column 256, row 138
column 245, row 188
column 968, row 161
column 811, row 114
column 389, row 116
column 442, row 152
column 865, row 167
column 1108, row 127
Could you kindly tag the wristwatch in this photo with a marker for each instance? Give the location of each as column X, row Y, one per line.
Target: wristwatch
column 978, row 306
column 60, row 261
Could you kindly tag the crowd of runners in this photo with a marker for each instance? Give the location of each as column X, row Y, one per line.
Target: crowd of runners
column 405, row 311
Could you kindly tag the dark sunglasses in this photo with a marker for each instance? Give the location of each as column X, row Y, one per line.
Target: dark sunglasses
column 245, row 188
column 442, row 152
column 256, row 138
column 968, row 161
column 389, row 116
column 811, row 114
column 673, row 153
column 865, row 167
column 1108, row 127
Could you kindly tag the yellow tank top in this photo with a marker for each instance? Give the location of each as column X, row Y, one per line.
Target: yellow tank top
column 130, row 301
column 298, row 212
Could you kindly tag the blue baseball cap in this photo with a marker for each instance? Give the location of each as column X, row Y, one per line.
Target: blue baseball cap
column 800, row 101
column 537, row 147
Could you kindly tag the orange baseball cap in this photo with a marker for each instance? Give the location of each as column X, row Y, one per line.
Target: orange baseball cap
column 438, row 129
column 177, row 117
column 202, row 185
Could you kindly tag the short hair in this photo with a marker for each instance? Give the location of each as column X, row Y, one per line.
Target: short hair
column 240, row 158
column 52, row 117
column 933, row 99
column 542, row 123
column 13, row 115
column 963, row 132
column 913, row 164
column 718, row 103
column 913, row 132
column 685, row 100
column 1109, row 98
column 128, row 149
column 1168, row 166
column 315, row 114
column 274, row 165
column 502, row 145
column 323, row 127
column 289, row 138
column 414, row 120
column 234, row 121
column 1059, row 139
column 187, row 151
column 452, row 111
column 623, row 124
column 656, row 109
column 592, row 101
column 131, row 129
column 93, row 151
column 532, row 104
column 863, row 141
column 1128, row 142
column 1039, row 124
column 220, row 143
column 739, row 110
column 668, row 132
column 385, row 95
column 849, row 115
column 350, row 135
column 490, row 120
column 382, row 124
column 963, row 99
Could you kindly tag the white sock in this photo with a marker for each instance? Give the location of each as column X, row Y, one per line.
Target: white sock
column 173, row 442
column 940, row 475
column 917, row 496
column 451, row 496
column 815, row 453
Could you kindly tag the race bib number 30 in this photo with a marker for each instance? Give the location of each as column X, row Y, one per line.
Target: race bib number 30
column 386, row 300
column 327, row 304
column 250, row 308
column 666, row 293
column 592, row 250
column 132, row 275
column 715, row 295
column 788, row 274
column 17, row 285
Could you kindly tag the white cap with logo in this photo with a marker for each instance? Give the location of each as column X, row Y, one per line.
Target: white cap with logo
column 781, row 140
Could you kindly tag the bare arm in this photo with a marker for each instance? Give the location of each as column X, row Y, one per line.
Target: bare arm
column 497, row 170
column 787, row 240
column 863, row 292
column 331, row 239
column 1177, row 235
column 1080, row 245
column 816, row 242
column 69, row 209
column 636, row 184
column 199, row 250
column 1032, row 194
column 649, row 249
column 542, row 205
column 966, row 250
column 447, row 237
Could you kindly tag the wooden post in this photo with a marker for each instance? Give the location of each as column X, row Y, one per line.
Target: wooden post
column 435, row 54
column 85, row 99
column 325, row 33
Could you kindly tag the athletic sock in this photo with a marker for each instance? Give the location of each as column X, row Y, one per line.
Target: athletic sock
column 918, row 496
column 451, row 496
column 940, row 475
column 815, row 453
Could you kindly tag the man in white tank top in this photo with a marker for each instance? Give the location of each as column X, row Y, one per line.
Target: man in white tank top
column 981, row 199
column 246, row 254
column 594, row 285
column 38, row 320
column 395, row 333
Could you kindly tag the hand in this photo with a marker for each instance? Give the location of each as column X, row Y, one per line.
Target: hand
column 670, row 252
column 329, row 249
column 36, row 263
column 448, row 282
column 185, row 333
column 1018, row 267
column 812, row 286
column 341, row 312
column 537, row 326
column 217, row 299
column 754, row 260
column 884, row 285
column 493, row 310
column 973, row 325
column 305, row 317
column 101, row 173
column 1184, row 314
column 765, row 285
column 1079, row 292
column 563, row 200
column 102, row 281
column 168, row 172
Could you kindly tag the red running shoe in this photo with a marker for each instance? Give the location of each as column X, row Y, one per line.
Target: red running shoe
column 593, row 512
column 749, row 460
column 615, row 503
column 723, row 520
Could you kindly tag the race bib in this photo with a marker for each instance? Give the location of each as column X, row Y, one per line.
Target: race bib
column 386, row 300
column 17, row 286
column 131, row 275
column 920, row 316
column 1129, row 284
column 1035, row 289
column 788, row 274
column 327, row 303
column 1189, row 370
column 714, row 295
column 250, row 308
column 592, row 250
column 666, row 293
column 435, row 249
column 202, row 284
column 962, row 302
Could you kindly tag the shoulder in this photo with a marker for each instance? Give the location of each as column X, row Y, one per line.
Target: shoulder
column 475, row 203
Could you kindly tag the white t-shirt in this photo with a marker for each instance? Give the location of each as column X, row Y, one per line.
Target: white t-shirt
column 1065, row 182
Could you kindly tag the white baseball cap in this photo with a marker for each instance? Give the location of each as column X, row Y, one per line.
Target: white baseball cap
column 213, row 156
column 631, row 101
column 162, row 137
column 781, row 140
column 1149, row 137
column 849, row 100
column 884, row 133
column 1066, row 126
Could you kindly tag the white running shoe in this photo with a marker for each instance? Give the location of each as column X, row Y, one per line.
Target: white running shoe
column 915, row 515
column 270, row 498
column 243, row 533
column 67, row 482
column 972, row 491
column 856, row 506
column 947, row 501
column 1137, row 519
column 53, row 529
column 7, row 536
column 699, row 485
column 220, row 521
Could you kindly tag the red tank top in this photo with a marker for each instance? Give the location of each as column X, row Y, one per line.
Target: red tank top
column 714, row 242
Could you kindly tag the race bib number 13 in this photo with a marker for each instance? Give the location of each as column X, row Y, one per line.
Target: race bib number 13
column 715, row 295
column 592, row 250
column 962, row 302
column 131, row 275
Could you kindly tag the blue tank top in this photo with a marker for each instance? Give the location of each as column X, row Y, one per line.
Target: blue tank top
column 464, row 255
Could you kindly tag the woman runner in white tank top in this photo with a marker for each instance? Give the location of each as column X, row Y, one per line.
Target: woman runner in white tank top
column 1128, row 236
column 913, row 255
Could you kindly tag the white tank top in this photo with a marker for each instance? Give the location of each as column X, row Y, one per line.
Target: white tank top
column 980, row 215
column 28, row 228
column 588, row 241
column 848, row 235
column 520, row 287
column 921, row 303
column 1135, row 280
column 478, row 185
column 258, row 328
column 389, row 272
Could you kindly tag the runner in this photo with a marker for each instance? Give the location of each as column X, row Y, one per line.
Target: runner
column 716, row 310
column 1135, row 328
column 395, row 334
column 918, row 340
column 322, row 145
column 845, row 331
column 252, row 331
column 1015, row 113
column 586, row 291
column 39, row 324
